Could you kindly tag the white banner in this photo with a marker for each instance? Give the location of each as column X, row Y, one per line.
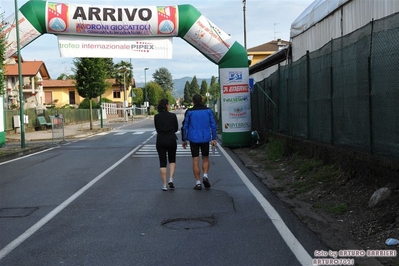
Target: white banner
column 84, row 46
column 209, row 39
column 235, row 99
column 27, row 33
column 98, row 20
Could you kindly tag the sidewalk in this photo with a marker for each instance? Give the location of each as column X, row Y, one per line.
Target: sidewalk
column 43, row 139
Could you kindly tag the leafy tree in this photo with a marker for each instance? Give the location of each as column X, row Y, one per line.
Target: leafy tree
column 155, row 93
column 90, row 82
column 163, row 77
column 171, row 99
column 64, row 76
column 214, row 89
column 204, row 88
column 109, row 67
column 187, row 96
column 122, row 72
column 139, row 98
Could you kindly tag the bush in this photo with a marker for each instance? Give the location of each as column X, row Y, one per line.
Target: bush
column 85, row 104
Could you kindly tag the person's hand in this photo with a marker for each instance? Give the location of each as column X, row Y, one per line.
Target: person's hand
column 184, row 144
column 214, row 142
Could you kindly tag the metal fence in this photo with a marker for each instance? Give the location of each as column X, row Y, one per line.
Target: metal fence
column 68, row 115
column 344, row 94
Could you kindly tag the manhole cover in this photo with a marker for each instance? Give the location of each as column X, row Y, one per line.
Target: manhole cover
column 189, row 223
column 16, row 212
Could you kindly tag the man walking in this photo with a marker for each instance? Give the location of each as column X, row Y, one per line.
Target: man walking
column 199, row 128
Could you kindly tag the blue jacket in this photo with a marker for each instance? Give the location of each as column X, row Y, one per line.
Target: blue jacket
column 199, row 125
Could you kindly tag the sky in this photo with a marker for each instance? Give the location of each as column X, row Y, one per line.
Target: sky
column 265, row 20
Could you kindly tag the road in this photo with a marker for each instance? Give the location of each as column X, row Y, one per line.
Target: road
column 99, row 201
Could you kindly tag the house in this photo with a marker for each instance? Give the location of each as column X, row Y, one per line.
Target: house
column 39, row 91
column 33, row 74
column 60, row 93
column 262, row 51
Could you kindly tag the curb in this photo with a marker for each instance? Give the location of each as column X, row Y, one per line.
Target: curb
column 23, row 152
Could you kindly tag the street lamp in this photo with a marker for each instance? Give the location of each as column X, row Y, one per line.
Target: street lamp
column 146, row 104
column 124, row 95
column 245, row 26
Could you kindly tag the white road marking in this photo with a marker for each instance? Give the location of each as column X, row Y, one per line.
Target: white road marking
column 297, row 249
column 19, row 240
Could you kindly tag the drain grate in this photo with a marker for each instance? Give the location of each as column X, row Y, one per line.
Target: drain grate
column 16, row 212
column 189, row 223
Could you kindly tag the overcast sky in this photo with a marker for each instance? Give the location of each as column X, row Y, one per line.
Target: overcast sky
column 266, row 20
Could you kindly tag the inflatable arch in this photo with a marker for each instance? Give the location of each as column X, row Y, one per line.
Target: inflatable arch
column 88, row 22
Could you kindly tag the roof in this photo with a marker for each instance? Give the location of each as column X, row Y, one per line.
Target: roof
column 314, row 13
column 58, row 83
column 68, row 83
column 29, row 68
column 269, row 46
column 271, row 60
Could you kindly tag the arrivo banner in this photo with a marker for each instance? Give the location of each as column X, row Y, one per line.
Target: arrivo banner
column 87, row 46
column 112, row 21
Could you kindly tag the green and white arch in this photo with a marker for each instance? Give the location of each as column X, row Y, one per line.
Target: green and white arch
column 94, row 21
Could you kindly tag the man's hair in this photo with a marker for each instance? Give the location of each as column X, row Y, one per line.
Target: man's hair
column 197, row 99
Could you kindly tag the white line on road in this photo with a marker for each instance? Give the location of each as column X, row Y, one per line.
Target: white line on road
column 299, row 251
column 15, row 243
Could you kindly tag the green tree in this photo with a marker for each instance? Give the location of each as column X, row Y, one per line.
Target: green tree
column 214, row 89
column 90, row 82
column 204, row 88
column 64, row 76
column 163, row 77
column 194, row 87
column 171, row 99
column 139, row 98
column 187, row 96
column 122, row 72
column 155, row 93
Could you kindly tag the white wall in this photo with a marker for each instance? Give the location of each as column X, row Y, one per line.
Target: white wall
column 346, row 19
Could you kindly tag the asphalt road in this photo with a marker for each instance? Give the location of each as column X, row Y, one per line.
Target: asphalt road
column 98, row 201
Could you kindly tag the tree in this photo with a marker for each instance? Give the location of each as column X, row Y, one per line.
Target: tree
column 90, row 82
column 187, row 97
column 194, row 87
column 204, row 88
column 171, row 99
column 64, row 76
column 139, row 98
column 214, row 89
column 122, row 72
column 163, row 77
column 155, row 93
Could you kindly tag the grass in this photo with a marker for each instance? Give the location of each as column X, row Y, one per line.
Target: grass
column 275, row 149
column 336, row 210
column 313, row 173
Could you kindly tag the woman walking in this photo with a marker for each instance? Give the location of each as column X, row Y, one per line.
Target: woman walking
column 166, row 126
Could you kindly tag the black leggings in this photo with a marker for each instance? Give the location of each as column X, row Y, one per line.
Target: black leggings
column 164, row 147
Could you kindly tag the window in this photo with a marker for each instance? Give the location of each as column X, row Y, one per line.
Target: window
column 116, row 94
column 72, row 97
column 48, row 97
